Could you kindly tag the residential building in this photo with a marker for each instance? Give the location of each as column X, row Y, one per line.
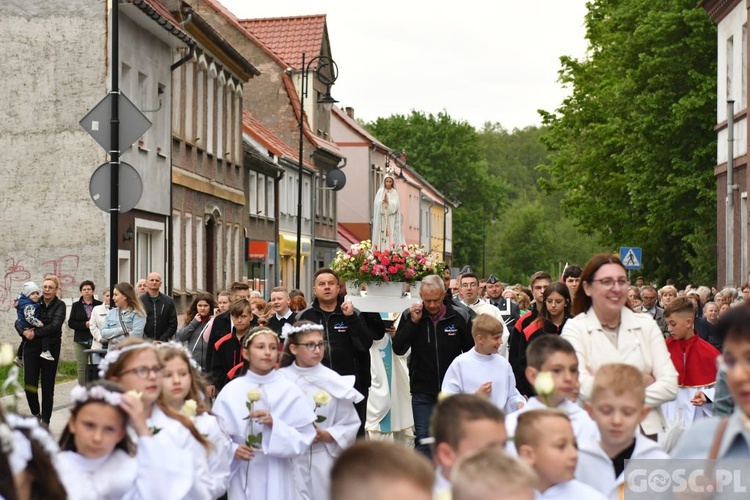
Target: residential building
column 732, row 88
column 58, row 55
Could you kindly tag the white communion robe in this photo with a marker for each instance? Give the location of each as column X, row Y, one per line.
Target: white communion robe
column 690, row 412
column 313, row 468
column 155, row 471
column 584, row 428
column 470, row 370
column 271, row 469
column 595, row 467
column 170, row 433
column 219, row 456
column 569, row 490
column 389, row 410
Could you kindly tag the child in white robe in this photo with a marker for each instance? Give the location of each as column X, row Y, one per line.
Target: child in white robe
column 279, row 427
column 482, row 370
column 618, row 406
column 135, row 365
column 545, row 441
column 334, row 397
column 557, row 357
column 183, row 391
column 97, row 457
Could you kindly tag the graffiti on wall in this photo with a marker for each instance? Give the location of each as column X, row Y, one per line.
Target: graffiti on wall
column 16, row 273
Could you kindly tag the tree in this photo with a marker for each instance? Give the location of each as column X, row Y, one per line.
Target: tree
column 633, row 145
column 448, row 154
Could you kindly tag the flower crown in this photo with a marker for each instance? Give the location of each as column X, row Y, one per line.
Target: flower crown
column 180, row 347
column 36, row 432
column 249, row 338
column 113, row 355
column 81, row 394
column 288, row 329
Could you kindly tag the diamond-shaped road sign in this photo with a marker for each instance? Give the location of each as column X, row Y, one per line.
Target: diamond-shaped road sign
column 133, row 123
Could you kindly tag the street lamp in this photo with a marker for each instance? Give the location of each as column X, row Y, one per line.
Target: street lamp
column 327, row 101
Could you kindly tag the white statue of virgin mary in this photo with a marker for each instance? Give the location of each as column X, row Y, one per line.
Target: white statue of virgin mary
column 387, row 223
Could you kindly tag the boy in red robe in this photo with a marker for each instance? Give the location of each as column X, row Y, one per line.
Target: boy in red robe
column 695, row 361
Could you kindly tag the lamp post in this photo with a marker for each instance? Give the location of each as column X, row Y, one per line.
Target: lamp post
column 328, row 101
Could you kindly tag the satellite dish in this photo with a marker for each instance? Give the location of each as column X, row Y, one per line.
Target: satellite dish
column 336, row 180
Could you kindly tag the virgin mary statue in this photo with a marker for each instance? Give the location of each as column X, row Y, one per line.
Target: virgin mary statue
column 387, row 223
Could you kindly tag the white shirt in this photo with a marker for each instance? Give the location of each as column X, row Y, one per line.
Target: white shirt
column 470, row 370
column 569, row 490
column 482, row 307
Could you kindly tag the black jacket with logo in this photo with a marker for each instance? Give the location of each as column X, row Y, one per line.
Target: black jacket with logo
column 433, row 346
column 345, row 336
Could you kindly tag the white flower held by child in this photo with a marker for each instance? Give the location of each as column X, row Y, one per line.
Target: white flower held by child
column 321, row 398
column 544, row 385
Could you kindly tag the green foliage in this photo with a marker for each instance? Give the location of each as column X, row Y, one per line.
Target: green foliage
column 448, row 154
column 633, row 145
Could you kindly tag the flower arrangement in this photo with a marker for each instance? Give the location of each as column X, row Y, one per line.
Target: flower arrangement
column 363, row 264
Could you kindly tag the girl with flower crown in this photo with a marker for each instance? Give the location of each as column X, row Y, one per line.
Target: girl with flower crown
column 183, row 390
column 98, row 459
column 27, row 460
column 334, row 397
column 135, row 365
column 269, row 420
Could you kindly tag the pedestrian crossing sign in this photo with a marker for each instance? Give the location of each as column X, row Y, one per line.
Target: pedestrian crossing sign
column 631, row 257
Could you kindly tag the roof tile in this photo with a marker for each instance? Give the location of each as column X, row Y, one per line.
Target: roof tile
column 290, row 37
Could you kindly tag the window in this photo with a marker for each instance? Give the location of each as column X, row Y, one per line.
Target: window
column 199, row 264
column 144, row 252
column 221, row 282
column 220, row 123
column 177, row 249
column 163, row 133
column 743, row 103
column 252, row 193
column 189, row 285
column 200, row 104
column 228, row 273
column 237, row 256
column 189, row 93
column 261, row 186
column 270, row 197
column 306, row 198
column 283, row 195
column 730, row 66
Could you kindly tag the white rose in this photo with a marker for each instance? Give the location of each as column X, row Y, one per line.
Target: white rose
column 6, row 355
column 544, row 385
column 321, row 398
column 190, row 408
column 253, row 395
column 135, row 394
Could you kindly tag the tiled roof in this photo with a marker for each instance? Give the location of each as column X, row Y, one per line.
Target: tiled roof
column 290, row 37
column 255, row 129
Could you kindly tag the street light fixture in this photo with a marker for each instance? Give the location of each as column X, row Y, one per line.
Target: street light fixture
column 327, row 101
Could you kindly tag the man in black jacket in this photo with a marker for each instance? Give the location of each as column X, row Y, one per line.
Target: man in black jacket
column 161, row 315
column 436, row 332
column 80, row 313
column 346, row 334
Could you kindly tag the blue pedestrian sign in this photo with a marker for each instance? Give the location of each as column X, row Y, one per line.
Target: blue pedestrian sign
column 631, row 257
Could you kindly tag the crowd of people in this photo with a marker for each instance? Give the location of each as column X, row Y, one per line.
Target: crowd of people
column 478, row 388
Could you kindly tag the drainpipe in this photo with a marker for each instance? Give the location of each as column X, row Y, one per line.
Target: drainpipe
column 729, row 223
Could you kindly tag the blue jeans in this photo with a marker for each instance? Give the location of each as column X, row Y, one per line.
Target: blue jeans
column 421, row 406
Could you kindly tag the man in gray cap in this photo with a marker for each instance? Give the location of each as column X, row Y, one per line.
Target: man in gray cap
column 508, row 308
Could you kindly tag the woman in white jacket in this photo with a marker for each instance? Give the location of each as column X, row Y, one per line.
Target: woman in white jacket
column 604, row 330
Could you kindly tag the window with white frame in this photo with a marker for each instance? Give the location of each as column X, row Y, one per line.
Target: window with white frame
column 270, row 197
column 186, row 126
column 200, row 266
column 743, row 103
column 306, row 198
column 210, row 113
column 228, row 274
column 219, row 256
column 200, row 104
column 149, row 247
column 252, row 193
column 730, row 66
column 189, row 284
column 177, row 250
column 238, row 243
column 261, row 187
column 220, row 123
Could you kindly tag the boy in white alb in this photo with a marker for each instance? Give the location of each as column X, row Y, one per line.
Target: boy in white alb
column 556, row 356
column 545, row 441
column 482, row 370
column 462, row 423
column 618, row 406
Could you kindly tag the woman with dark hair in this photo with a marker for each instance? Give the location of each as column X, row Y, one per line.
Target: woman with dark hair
column 198, row 327
column 553, row 313
column 80, row 315
column 605, row 330
column 126, row 319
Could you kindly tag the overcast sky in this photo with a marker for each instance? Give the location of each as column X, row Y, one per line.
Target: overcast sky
column 481, row 60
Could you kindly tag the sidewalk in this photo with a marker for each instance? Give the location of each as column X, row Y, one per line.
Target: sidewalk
column 60, row 410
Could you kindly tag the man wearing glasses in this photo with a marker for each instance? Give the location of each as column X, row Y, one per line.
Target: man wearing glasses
column 470, row 298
